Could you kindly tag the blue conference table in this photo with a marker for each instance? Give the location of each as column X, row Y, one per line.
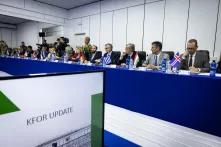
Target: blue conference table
column 191, row 101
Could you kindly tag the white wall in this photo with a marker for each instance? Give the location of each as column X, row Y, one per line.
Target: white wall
column 175, row 25
column 29, row 32
column 218, row 35
column 52, row 33
column 135, row 26
column 202, row 23
column 106, row 29
column 85, row 25
column 144, row 21
column 95, row 29
column 72, row 27
column 153, row 26
column 119, row 29
column 9, row 36
column 33, row 10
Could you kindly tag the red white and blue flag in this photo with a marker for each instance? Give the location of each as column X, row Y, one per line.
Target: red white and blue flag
column 175, row 62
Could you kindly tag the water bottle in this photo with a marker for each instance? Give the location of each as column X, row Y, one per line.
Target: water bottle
column 168, row 67
column 16, row 55
column 164, row 65
column 77, row 61
column 103, row 62
column 213, row 68
column 61, row 60
column 52, row 56
column 65, row 57
column 128, row 62
column 131, row 64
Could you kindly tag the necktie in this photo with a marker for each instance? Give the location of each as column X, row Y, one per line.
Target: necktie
column 155, row 60
column 191, row 61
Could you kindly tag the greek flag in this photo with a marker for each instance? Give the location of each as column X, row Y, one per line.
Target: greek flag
column 107, row 59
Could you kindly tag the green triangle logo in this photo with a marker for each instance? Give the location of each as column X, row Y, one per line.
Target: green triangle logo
column 6, row 106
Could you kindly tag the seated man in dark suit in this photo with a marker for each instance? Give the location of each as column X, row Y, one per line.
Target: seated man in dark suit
column 130, row 52
column 36, row 54
column 110, row 57
column 94, row 54
column 193, row 60
column 219, row 65
column 29, row 51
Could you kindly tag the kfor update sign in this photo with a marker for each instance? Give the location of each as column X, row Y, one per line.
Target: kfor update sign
column 53, row 110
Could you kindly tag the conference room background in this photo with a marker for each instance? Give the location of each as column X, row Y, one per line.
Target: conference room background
column 165, row 117
column 141, row 22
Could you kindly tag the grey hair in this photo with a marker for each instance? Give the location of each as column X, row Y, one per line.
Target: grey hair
column 131, row 46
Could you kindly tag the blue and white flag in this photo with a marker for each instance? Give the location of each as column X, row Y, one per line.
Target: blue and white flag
column 175, row 62
column 107, row 60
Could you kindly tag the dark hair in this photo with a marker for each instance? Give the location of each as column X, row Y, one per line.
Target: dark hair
column 30, row 46
column 62, row 38
column 193, row 41
column 158, row 44
column 109, row 45
column 87, row 37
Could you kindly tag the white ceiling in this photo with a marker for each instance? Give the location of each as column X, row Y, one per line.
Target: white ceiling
column 67, row 4
column 11, row 20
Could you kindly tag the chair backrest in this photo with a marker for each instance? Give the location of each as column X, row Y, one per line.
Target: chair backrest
column 205, row 52
column 142, row 55
column 170, row 53
column 99, row 53
column 118, row 53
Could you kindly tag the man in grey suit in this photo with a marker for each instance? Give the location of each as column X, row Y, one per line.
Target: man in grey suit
column 193, row 60
column 154, row 60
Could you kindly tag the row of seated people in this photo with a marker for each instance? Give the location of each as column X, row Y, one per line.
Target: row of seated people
column 191, row 59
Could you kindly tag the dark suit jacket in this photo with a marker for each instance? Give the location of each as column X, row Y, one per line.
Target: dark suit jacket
column 114, row 57
column 201, row 61
column 97, row 55
column 61, row 49
column 23, row 49
column 219, row 67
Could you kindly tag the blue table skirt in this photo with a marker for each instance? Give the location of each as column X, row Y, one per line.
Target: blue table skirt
column 112, row 140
